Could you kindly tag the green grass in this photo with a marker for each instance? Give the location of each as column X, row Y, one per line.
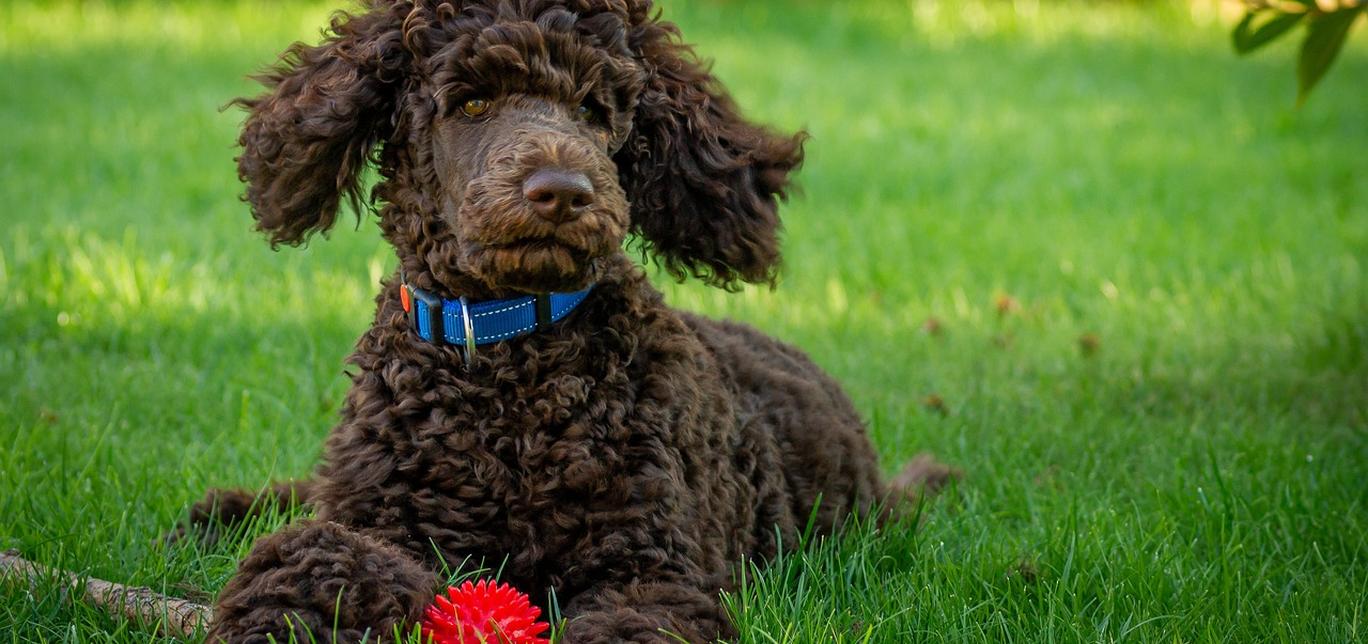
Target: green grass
column 1110, row 166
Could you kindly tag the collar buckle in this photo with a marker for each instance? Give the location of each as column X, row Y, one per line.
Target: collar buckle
column 424, row 313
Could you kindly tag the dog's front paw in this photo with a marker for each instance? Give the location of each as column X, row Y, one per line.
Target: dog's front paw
column 662, row 612
column 320, row 581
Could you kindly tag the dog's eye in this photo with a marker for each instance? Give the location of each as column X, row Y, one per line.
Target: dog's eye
column 586, row 113
column 475, row 107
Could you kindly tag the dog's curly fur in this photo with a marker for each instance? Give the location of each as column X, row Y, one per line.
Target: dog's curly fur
column 626, row 458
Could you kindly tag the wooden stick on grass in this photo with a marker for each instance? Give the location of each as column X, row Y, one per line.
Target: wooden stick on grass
column 177, row 617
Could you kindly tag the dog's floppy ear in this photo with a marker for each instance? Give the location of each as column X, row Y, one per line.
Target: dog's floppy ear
column 307, row 139
column 704, row 182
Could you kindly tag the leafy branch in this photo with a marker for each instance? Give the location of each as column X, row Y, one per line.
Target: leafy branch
column 1326, row 30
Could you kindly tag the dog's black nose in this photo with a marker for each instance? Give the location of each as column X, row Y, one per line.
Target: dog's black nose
column 558, row 195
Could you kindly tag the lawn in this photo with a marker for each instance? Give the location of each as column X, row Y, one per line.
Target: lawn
column 1144, row 272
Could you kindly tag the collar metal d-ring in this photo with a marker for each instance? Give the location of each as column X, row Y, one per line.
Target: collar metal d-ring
column 469, row 322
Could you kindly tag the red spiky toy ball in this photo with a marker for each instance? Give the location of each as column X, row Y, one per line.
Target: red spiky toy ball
column 483, row 613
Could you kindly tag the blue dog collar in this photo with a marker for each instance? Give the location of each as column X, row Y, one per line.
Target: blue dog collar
column 464, row 323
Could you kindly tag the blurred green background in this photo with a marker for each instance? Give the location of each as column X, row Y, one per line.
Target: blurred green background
column 1079, row 249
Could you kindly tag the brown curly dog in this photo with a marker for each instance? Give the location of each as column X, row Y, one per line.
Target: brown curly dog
column 612, row 450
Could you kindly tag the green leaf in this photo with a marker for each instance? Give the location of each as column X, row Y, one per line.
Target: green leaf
column 1324, row 39
column 1246, row 38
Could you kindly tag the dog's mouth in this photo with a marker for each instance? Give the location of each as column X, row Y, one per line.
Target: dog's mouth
column 534, row 265
column 560, row 240
column 533, row 253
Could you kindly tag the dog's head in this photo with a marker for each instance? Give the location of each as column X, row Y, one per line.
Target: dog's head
column 518, row 143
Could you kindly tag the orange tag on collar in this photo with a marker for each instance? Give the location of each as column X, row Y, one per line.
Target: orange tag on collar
column 404, row 298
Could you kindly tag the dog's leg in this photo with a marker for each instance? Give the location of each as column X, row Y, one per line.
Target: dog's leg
column 221, row 510
column 665, row 611
column 321, row 581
